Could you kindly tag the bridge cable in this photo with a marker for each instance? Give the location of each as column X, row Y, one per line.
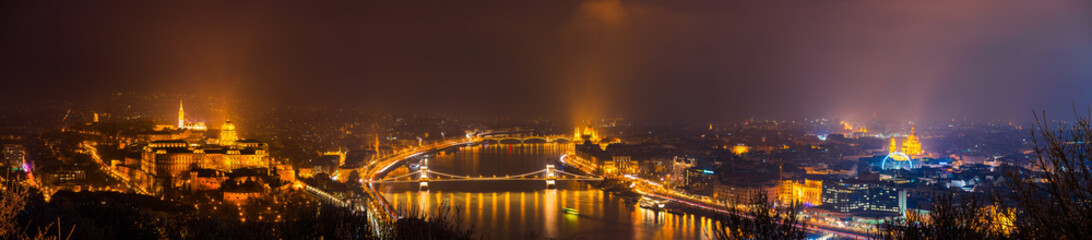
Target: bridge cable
column 404, row 175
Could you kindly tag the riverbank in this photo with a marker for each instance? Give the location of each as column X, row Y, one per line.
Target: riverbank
column 613, row 186
column 618, row 187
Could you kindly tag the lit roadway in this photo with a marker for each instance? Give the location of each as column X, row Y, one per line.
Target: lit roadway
column 378, row 209
column 94, row 152
column 705, row 205
column 651, row 188
column 380, row 167
column 376, row 203
column 641, row 186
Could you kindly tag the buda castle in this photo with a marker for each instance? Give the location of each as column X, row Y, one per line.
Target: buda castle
column 171, row 161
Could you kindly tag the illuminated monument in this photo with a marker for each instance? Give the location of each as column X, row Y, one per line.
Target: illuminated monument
column 172, row 163
column 181, row 116
column 588, row 134
column 912, row 146
column 893, row 147
column 899, row 158
column 227, row 133
column 184, row 125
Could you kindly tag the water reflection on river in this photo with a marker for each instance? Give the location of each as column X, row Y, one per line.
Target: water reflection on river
column 516, row 209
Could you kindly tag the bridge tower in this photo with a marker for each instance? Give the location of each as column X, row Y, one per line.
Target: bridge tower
column 551, row 177
column 424, row 178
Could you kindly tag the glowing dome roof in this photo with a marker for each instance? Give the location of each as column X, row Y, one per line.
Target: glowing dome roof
column 228, row 126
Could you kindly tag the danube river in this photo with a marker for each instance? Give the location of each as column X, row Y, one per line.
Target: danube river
column 518, row 209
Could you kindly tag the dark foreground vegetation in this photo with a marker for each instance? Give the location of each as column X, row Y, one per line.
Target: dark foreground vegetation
column 758, row 218
column 109, row 215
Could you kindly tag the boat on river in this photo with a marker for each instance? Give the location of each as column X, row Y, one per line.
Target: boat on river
column 571, row 211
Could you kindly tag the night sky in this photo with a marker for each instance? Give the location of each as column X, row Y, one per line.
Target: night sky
column 683, row 60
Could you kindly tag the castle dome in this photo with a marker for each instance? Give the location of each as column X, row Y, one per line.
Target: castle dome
column 228, row 126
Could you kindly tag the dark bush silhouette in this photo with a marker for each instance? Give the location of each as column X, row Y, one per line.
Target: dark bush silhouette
column 758, row 218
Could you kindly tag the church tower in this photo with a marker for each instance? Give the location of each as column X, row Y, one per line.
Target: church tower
column 912, row 146
column 181, row 116
column 894, row 147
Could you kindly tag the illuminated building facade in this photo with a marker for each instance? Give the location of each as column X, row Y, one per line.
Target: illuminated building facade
column 608, row 167
column 893, row 147
column 740, row 149
column 844, row 197
column 678, row 168
column 656, row 167
column 587, row 134
column 206, row 179
column 64, row 179
column 912, row 146
column 227, row 134
column 621, row 165
column 14, row 155
column 183, row 124
column 810, row 192
column 181, row 115
column 167, row 158
column 700, row 181
column 239, row 190
column 169, row 161
column 243, row 154
column 859, row 196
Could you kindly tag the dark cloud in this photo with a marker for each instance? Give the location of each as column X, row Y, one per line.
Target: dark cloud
column 675, row 60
